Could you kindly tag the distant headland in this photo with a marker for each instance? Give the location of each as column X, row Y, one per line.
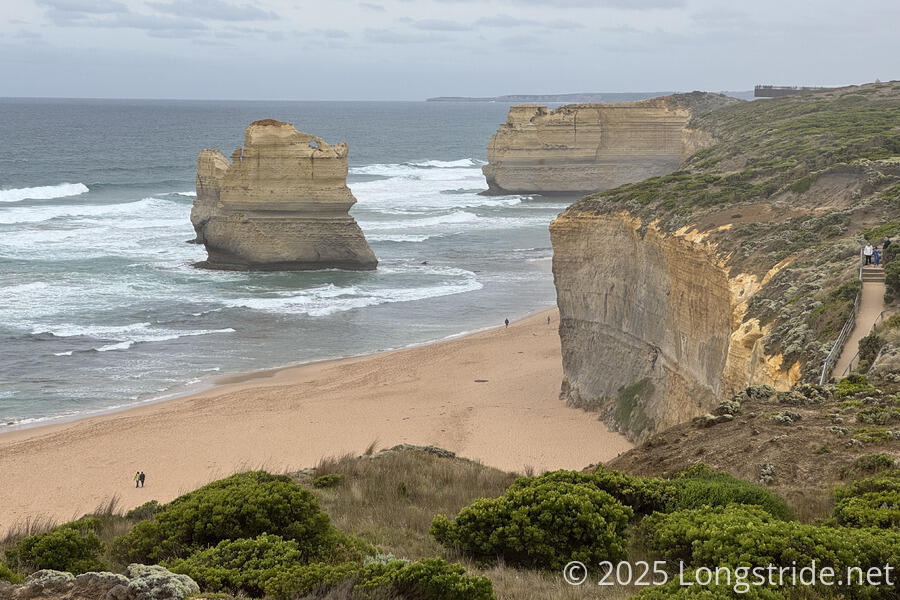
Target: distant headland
column 576, row 97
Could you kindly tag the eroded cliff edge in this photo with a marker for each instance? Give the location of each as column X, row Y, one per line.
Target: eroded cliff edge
column 281, row 203
column 736, row 270
column 594, row 146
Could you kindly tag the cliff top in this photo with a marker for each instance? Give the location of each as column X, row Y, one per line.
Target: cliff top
column 697, row 102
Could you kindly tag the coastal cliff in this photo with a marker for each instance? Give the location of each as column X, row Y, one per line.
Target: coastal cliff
column 281, row 203
column 592, row 147
column 681, row 290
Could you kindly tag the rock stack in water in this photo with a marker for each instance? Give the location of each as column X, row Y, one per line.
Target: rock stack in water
column 579, row 148
column 281, row 203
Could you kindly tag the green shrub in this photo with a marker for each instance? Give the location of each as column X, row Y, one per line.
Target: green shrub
column 747, row 536
column 73, row 547
column 872, row 435
column 672, row 535
column 327, row 481
column 242, row 565
column 802, row 185
column 428, row 579
column 852, row 384
column 675, row 590
column 241, row 506
column 699, row 485
column 869, row 347
column 6, row 574
column 878, row 415
column 147, row 510
column 543, row 526
column 644, row 495
column 891, row 280
column 872, row 502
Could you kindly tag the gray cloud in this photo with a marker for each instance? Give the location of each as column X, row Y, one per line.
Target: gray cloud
column 370, row 6
column 93, row 7
column 390, row 36
column 217, row 10
column 619, row 4
column 504, row 20
column 440, row 25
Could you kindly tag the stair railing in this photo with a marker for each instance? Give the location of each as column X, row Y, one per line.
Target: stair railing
column 838, row 346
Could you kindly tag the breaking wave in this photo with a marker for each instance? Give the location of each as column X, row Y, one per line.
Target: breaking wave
column 43, row 192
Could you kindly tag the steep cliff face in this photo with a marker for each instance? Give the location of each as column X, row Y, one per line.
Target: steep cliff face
column 682, row 290
column 650, row 323
column 591, row 147
column 281, row 203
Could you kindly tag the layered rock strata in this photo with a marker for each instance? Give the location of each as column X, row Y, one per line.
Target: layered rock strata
column 580, row 148
column 650, row 323
column 280, row 203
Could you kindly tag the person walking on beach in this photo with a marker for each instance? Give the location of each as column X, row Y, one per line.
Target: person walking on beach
column 867, row 252
column 142, row 478
column 137, row 479
column 548, row 319
column 506, row 322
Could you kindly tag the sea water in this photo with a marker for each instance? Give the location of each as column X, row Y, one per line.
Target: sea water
column 101, row 307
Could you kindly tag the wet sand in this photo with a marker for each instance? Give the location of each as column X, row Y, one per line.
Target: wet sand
column 490, row 396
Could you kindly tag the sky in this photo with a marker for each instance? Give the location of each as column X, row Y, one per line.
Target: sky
column 414, row 49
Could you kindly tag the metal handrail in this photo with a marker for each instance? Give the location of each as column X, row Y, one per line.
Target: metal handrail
column 838, row 346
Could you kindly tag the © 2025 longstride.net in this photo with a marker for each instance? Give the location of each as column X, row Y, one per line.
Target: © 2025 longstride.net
column 740, row 579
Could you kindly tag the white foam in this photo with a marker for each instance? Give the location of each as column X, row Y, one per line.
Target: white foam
column 329, row 299
column 188, row 194
column 43, row 192
column 153, row 335
column 386, row 237
column 137, row 209
column 450, row 218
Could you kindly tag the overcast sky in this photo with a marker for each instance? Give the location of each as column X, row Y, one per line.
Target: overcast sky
column 413, row 49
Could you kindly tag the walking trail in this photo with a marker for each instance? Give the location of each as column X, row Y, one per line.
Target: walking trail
column 871, row 305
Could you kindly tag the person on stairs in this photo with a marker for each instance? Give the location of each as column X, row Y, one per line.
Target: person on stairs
column 868, row 251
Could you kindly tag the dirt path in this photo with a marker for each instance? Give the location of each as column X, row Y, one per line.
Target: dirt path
column 871, row 304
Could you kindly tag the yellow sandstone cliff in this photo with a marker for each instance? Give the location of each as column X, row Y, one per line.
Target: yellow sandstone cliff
column 652, row 324
column 281, row 203
column 592, row 147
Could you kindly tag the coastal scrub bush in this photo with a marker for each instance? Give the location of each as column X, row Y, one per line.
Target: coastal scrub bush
column 851, row 385
column 723, row 591
column 869, row 347
column 327, row 481
column 6, row 574
column 700, row 485
column 541, row 526
column 644, row 495
column 891, row 281
column 242, row 565
column 241, row 506
column 427, row 579
column 872, row 502
column 73, row 547
column 747, row 536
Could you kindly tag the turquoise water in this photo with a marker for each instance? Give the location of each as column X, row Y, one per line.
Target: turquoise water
column 100, row 306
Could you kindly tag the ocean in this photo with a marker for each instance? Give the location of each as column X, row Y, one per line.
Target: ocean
column 101, row 308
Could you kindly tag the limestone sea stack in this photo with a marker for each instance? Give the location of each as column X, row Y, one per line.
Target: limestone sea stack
column 281, row 203
column 580, row 148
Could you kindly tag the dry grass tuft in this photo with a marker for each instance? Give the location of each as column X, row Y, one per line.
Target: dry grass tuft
column 390, row 498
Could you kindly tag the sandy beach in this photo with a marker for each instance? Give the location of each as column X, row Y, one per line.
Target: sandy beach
column 490, row 396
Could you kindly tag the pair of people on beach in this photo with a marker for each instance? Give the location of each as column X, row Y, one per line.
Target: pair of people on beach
column 872, row 254
column 139, row 479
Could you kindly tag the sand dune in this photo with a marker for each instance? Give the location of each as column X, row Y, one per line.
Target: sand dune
column 490, row 396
